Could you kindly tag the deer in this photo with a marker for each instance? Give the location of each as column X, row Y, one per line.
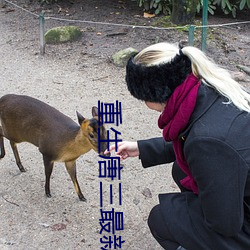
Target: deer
column 58, row 138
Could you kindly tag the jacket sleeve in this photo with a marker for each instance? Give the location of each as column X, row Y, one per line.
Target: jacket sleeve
column 155, row 151
column 220, row 173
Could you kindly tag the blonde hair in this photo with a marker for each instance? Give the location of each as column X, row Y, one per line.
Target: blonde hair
column 202, row 67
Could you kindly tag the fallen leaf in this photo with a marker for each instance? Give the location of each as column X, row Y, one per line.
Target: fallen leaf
column 147, row 15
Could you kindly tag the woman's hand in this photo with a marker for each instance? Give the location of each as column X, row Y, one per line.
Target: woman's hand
column 125, row 149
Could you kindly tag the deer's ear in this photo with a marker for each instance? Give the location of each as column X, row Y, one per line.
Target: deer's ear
column 94, row 111
column 80, row 118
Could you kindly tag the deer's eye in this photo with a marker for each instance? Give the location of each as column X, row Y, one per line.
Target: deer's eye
column 91, row 136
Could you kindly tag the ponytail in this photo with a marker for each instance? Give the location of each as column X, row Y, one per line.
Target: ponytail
column 218, row 78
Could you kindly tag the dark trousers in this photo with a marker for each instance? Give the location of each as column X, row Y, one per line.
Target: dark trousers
column 156, row 223
column 179, row 221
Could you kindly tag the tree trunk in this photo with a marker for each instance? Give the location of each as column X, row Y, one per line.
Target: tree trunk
column 183, row 11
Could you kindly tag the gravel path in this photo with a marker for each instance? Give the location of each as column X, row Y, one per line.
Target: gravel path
column 70, row 80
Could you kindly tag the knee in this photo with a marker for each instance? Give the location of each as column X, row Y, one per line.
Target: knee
column 153, row 218
column 160, row 230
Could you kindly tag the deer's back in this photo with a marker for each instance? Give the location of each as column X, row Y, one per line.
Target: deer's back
column 24, row 118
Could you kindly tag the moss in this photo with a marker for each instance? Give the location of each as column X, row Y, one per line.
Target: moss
column 121, row 58
column 63, row 34
column 163, row 22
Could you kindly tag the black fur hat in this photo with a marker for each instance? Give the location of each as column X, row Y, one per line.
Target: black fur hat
column 156, row 83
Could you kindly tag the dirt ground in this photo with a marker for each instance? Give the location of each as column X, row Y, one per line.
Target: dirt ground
column 74, row 76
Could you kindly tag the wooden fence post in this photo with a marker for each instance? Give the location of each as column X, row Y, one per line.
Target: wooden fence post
column 42, row 31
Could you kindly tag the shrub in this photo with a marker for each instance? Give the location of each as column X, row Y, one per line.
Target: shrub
column 165, row 6
column 157, row 6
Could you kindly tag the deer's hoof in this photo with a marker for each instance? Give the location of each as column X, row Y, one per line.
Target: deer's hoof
column 82, row 198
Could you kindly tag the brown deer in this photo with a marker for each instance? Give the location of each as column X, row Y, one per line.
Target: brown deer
column 59, row 138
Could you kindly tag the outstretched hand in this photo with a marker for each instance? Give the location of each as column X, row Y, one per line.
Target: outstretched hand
column 125, row 149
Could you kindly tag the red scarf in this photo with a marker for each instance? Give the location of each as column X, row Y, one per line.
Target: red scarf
column 174, row 119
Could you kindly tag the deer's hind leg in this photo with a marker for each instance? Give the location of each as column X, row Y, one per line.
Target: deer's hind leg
column 71, row 168
column 1, row 144
column 16, row 154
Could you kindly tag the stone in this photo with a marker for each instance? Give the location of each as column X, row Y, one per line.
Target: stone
column 121, row 58
column 2, row 3
column 63, row 34
column 239, row 76
column 147, row 193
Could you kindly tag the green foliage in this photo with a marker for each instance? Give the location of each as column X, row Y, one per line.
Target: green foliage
column 226, row 6
column 158, row 6
column 244, row 4
column 231, row 6
column 211, row 7
column 165, row 6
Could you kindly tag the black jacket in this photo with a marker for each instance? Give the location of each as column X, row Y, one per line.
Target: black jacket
column 216, row 145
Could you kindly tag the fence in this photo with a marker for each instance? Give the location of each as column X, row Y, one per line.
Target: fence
column 191, row 28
